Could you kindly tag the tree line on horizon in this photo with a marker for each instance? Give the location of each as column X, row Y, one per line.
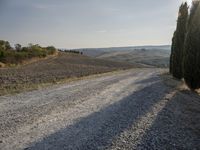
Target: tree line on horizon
column 185, row 49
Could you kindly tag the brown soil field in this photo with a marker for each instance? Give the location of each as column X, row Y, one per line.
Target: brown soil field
column 52, row 70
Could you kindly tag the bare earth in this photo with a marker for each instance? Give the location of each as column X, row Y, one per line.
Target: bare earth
column 54, row 69
column 129, row 110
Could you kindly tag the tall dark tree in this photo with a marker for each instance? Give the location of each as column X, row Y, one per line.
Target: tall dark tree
column 18, row 47
column 192, row 48
column 178, row 42
column 172, row 53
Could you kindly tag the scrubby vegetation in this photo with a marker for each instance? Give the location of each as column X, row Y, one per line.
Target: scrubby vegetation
column 185, row 56
column 19, row 54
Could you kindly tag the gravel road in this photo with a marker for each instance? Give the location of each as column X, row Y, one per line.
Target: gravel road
column 127, row 110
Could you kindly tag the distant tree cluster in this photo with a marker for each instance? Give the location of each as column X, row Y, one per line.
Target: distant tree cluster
column 72, row 51
column 9, row 55
column 185, row 50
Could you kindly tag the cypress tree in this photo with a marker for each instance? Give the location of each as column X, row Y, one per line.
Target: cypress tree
column 178, row 42
column 192, row 48
column 172, row 53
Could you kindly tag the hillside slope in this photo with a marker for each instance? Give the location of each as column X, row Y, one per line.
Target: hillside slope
column 61, row 67
column 155, row 58
column 151, row 56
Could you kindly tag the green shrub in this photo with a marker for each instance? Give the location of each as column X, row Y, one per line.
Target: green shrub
column 2, row 55
column 50, row 50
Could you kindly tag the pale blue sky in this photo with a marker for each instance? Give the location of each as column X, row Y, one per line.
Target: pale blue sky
column 88, row 23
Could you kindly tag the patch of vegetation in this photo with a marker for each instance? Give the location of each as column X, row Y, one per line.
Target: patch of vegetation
column 72, row 51
column 19, row 54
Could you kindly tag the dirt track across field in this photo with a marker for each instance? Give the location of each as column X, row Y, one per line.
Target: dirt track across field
column 128, row 110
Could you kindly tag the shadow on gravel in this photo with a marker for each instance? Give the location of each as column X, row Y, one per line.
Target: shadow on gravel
column 97, row 130
column 149, row 80
column 177, row 126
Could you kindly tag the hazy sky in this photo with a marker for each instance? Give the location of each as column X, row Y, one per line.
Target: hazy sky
column 88, row 23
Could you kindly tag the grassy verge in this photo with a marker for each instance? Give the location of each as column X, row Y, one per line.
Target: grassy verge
column 170, row 81
column 178, row 85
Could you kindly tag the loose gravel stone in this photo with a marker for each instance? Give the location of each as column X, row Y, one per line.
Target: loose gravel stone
column 129, row 110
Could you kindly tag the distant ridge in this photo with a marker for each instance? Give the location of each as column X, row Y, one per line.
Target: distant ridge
column 167, row 47
column 96, row 52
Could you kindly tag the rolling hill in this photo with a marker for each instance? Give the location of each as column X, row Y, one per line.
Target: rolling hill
column 151, row 56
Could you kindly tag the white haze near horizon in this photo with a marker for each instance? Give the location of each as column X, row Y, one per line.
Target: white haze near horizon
column 89, row 23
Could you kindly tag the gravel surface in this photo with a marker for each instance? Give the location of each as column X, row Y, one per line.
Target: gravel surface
column 128, row 110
